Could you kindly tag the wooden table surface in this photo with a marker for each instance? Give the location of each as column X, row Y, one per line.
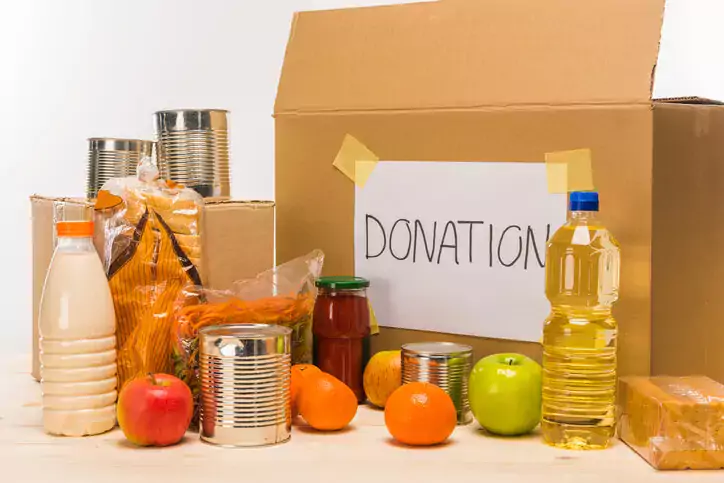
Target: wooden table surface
column 364, row 453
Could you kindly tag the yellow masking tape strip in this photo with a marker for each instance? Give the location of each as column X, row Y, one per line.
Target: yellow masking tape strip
column 374, row 326
column 362, row 172
column 355, row 160
column 569, row 171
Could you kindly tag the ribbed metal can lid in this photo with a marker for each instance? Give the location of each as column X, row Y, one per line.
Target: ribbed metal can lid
column 447, row 349
column 245, row 340
column 140, row 146
column 191, row 120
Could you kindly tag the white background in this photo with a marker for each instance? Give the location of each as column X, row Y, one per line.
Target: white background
column 471, row 293
column 73, row 69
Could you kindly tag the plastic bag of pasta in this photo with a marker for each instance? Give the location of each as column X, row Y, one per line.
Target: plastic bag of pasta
column 151, row 251
column 284, row 295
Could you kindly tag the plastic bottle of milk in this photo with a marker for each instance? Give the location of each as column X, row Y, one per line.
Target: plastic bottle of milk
column 77, row 338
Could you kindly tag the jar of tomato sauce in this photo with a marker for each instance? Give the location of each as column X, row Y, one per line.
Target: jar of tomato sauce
column 342, row 329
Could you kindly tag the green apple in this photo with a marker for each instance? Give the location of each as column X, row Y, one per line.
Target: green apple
column 505, row 394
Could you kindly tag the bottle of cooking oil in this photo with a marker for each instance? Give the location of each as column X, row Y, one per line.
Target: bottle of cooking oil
column 579, row 338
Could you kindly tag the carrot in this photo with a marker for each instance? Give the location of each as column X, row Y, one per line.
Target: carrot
column 271, row 310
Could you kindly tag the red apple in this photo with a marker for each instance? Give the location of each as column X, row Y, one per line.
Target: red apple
column 155, row 410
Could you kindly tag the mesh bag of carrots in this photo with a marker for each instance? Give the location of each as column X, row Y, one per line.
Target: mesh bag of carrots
column 284, row 295
column 151, row 251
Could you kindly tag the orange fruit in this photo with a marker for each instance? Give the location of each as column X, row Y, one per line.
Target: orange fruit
column 326, row 403
column 299, row 372
column 420, row 414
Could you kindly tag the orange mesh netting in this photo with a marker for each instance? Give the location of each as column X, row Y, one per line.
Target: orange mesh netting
column 146, row 279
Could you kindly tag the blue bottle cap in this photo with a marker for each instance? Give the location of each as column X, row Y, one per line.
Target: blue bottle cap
column 583, row 201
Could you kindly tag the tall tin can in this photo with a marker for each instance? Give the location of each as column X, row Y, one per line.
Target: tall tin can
column 193, row 149
column 444, row 364
column 245, row 384
column 113, row 158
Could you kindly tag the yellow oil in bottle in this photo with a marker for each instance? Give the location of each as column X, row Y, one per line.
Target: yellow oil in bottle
column 579, row 337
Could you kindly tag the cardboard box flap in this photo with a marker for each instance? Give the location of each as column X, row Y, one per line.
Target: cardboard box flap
column 52, row 199
column 251, row 204
column 471, row 54
column 690, row 100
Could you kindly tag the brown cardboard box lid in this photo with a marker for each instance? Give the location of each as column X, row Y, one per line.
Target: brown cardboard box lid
column 50, row 199
column 691, row 100
column 472, row 54
column 251, row 204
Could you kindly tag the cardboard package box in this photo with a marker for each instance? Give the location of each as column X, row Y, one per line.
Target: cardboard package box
column 237, row 242
column 45, row 213
column 508, row 82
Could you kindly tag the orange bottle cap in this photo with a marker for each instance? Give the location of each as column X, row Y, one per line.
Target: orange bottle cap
column 75, row 229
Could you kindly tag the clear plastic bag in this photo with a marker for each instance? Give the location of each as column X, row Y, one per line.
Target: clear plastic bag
column 151, row 251
column 674, row 423
column 283, row 295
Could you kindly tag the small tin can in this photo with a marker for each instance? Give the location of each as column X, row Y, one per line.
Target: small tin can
column 113, row 158
column 245, row 384
column 444, row 364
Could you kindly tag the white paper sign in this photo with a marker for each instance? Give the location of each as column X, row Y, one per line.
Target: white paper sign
column 457, row 247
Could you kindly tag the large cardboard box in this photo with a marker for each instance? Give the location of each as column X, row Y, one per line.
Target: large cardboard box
column 237, row 243
column 510, row 80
